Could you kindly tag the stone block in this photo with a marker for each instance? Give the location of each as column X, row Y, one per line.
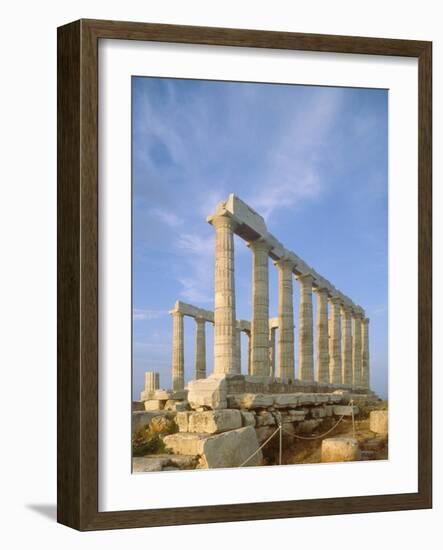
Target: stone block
column 329, row 410
column 340, row 449
column 318, row 412
column 264, row 432
column 179, row 395
column 163, row 395
column 214, row 421
column 208, row 392
column 185, row 443
column 345, row 410
column 250, row 401
column 287, row 400
column 265, row 418
column 138, row 406
column 231, row 449
column 307, row 398
column 148, row 464
column 181, row 406
column 378, row 422
column 154, row 405
column 182, row 421
column 248, row 418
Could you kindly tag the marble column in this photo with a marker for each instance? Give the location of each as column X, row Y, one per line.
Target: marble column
column 346, row 347
column 365, row 382
column 152, row 381
column 225, row 335
column 322, row 364
column 260, row 309
column 356, row 349
column 200, row 348
column 178, row 366
column 237, row 364
column 272, row 351
column 285, row 352
column 335, row 374
column 306, row 330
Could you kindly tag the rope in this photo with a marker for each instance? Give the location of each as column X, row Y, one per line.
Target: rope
column 330, row 430
column 260, row 448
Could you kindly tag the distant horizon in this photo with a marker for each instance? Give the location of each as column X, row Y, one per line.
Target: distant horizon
column 311, row 160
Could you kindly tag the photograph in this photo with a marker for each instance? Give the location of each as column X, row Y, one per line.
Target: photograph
column 259, row 274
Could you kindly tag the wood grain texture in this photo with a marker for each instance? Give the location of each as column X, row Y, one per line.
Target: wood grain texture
column 77, row 172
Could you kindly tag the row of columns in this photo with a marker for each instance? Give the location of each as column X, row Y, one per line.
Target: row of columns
column 342, row 350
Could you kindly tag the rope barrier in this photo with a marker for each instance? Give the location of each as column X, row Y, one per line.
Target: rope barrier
column 280, row 429
column 260, row 448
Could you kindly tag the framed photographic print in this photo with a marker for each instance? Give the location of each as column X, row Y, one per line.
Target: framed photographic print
column 244, row 274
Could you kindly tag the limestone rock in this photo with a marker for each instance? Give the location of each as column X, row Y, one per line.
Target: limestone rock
column 163, row 395
column 248, row 418
column 345, row 410
column 185, row 443
column 138, row 406
column 340, row 449
column 318, row 412
column 154, row 405
column 214, row 421
column 182, row 420
column 378, row 422
column 250, row 401
column 148, row 464
column 231, row 449
column 265, row 419
column 287, row 400
column 208, row 392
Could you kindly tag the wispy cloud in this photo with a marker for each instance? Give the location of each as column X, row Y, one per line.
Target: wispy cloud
column 147, row 314
column 168, row 217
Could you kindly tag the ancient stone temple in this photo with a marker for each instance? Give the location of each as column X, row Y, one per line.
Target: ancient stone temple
column 341, row 333
column 302, row 370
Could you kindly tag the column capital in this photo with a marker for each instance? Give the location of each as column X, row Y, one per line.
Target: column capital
column 346, row 309
column 357, row 313
column 285, row 263
column 176, row 312
column 307, row 278
column 199, row 320
column 321, row 290
column 334, row 299
column 222, row 220
column 260, row 244
column 365, row 320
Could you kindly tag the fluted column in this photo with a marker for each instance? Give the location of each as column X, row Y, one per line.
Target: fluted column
column 365, row 382
column 200, row 348
column 322, row 364
column 285, row 352
column 225, row 336
column 237, row 363
column 346, row 347
column 356, row 348
column 335, row 375
column 306, row 330
column 152, row 381
column 272, row 351
column 248, row 334
column 260, row 309
column 178, row 366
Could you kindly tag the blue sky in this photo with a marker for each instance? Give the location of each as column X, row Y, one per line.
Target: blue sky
column 312, row 160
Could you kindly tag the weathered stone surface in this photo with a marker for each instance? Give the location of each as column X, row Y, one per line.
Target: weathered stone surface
column 345, row 410
column 186, row 443
column 163, row 395
column 264, row 432
column 307, row 398
column 178, row 395
column 182, row 421
column 265, row 419
column 214, row 421
column 378, row 422
column 208, row 392
column 154, row 405
column 286, row 400
column 329, row 410
column 143, row 418
column 250, row 401
column 162, row 424
column 297, row 416
column 231, row 449
column 248, row 418
column 181, row 406
column 318, row 412
column 148, row 464
column 339, row 449
column 138, row 406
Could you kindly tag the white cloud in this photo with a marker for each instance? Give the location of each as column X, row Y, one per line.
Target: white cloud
column 147, row 314
column 166, row 216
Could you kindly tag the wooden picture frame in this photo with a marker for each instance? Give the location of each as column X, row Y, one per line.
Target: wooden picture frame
column 77, row 479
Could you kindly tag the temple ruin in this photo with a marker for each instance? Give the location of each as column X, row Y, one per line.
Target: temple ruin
column 226, row 409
